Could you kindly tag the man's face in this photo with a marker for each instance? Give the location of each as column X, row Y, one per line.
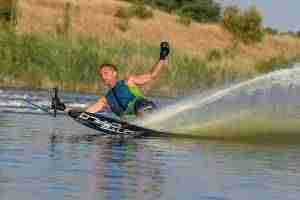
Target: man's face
column 109, row 76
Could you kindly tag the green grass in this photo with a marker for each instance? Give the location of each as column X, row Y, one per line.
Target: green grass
column 274, row 63
column 41, row 61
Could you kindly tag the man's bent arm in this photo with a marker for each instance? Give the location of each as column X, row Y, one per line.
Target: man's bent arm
column 145, row 78
column 99, row 105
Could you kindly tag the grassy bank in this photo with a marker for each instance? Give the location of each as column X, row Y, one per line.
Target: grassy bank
column 39, row 61
column 63, row 43
column 42, row 61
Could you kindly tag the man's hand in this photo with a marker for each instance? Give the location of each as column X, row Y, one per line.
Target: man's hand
column 164, row 50
column 98, row 106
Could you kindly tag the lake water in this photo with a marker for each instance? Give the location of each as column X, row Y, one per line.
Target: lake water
column 42, row 157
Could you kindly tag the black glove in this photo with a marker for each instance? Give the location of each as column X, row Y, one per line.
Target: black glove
column 164, row 50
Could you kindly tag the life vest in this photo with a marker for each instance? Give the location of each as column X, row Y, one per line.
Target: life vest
column 121, row 98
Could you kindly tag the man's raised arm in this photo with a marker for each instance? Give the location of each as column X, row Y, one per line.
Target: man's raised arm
column 155, row 70
column 145, row 78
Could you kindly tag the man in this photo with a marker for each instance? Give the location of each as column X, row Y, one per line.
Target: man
column 124, row 96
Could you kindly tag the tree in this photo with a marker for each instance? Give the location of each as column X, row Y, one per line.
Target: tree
column 246, row 26
column 271, row 31
column 202, row 10
column 198, row 10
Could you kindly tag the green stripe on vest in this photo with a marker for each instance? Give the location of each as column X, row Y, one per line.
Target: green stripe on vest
column 139, row 95
column 136, row 91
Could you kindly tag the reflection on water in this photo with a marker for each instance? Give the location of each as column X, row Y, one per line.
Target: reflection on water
column 44, row 158
column 114, row 170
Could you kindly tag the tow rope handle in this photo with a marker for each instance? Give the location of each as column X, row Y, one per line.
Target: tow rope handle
column 53, row 95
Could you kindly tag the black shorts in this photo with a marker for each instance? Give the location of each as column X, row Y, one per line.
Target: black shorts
column 143, row 106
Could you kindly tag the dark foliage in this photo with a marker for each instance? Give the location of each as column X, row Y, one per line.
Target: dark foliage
column 246, row 26
column 198, row 10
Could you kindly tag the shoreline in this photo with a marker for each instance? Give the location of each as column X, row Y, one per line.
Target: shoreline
column 63, row 47
column 43, row 61
column 84, row 88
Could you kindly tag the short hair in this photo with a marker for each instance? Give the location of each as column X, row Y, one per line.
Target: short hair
column 112, row 66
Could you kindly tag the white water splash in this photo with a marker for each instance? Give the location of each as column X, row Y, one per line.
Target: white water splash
column 13, row 101
column 274, row 93
column 78, row 105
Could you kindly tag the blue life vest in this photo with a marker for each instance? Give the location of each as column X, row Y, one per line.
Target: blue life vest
column 119, row 97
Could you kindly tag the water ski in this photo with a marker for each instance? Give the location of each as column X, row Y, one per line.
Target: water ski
column 104, row 124
column 110, row 126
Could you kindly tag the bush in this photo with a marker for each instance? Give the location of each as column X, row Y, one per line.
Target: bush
column 203, row 11
column 198, row 10
column 252, row 25
column 271, row 31
column 5, row 14
column 184, row 20
column 137, row 10
column 272, row 64
column 141, row 11
column 9, row 11
column 123, row 25
column 123, row 13
column 166, row 5
column 232, row 19
column 246, row 26
column 214, row 54
column 5, row 10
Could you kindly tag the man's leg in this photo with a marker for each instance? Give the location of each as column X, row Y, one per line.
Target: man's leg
column 143, row 106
